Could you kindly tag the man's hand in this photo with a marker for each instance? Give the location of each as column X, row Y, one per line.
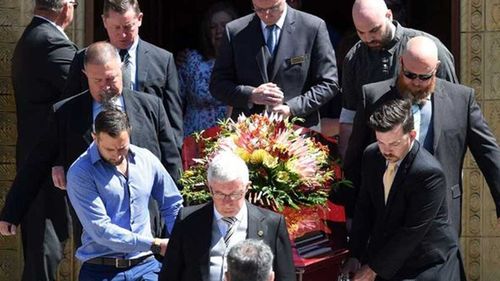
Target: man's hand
column 58, row 177
column 282, row 109
column 352, row 265
column 267, row 94
column 163, row 245
column 365, row 274
column 7, row 229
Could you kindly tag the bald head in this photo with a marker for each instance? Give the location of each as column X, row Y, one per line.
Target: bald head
column 421, row 55
column 365, row 12
column 373, row 22
column 100, row 53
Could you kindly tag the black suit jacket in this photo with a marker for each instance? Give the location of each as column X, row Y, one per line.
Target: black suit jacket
column 188, row 252
column 458, row 124
column 304, row 65
column 411, row 233
column 156, row 74
column 40, row 66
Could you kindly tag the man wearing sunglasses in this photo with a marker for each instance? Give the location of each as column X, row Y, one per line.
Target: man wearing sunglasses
column 448, row 120
column 40, row 66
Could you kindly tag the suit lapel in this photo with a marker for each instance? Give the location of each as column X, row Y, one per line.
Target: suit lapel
column 263, row 57
column 440, row 109
column 131, row 107
column 142, row 69
column 205, row 239
column 285, row 38
column 255, row 228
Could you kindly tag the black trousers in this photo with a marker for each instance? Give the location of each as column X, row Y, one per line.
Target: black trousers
column 44, row 231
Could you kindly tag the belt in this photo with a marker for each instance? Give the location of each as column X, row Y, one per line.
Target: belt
column 116, row 262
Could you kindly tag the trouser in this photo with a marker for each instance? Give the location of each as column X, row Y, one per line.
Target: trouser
column 44, row 230
column 148, row 270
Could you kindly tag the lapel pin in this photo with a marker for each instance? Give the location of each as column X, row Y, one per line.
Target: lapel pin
column 260, row 233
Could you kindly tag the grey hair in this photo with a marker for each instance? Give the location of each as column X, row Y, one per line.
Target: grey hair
column 50, row 5
column 250, row 260
column 227, row 166
column 100, row 53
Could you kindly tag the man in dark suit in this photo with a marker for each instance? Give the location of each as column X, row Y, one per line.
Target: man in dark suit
column 202, row 234
column 150, row 69
column 278, row 59
column 450, row 122
column 401, row 229
column 40, row 65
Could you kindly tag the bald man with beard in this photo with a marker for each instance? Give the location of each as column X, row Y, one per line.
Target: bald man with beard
column 450, row 121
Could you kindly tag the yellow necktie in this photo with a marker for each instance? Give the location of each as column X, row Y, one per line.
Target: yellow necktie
column 389, row 174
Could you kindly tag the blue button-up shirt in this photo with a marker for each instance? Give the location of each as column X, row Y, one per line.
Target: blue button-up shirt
column 113, row 209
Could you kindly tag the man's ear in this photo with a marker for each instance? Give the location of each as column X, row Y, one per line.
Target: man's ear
column 94, row 136
column 228, row 278
column 388, row 14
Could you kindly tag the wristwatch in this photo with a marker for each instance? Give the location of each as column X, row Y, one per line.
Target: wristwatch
column 156, row 246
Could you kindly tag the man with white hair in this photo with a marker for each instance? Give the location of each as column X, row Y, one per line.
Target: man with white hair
column 447, row 118
column 203, row 234
column 250, row 260
column 375, row 57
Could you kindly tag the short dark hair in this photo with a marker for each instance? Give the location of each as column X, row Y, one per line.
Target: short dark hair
column 207, row 49
column 250, row 260
column 50, row 5
column 391, row 114
column 120, row 6
column 111, row 121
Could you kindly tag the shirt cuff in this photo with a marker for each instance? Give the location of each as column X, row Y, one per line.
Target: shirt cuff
column 347, row 116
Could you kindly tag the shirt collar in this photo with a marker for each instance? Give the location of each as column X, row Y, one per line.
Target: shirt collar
column 132, row 50
column 239, row 216
column 53, row 24
column 279, row 23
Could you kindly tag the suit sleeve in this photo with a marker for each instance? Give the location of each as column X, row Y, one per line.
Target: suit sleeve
column 284, row 268
column 35, row 170
column 484, row 148
column 172, row 101
column 446, row 69
column 170, row 156
column 364, row 217
column 428, row 195
column 173, row 263
column 223, row 84
column 58, row 62
column 76, row 82
column 323, row 76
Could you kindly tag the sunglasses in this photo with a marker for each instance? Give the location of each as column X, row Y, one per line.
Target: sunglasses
column 412, row 76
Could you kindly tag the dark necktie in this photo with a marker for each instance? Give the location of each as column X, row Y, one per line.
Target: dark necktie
column 271, row 38
column 126, row 69
column 230, row 228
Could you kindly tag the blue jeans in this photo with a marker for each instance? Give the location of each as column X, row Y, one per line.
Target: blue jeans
column 147, row 270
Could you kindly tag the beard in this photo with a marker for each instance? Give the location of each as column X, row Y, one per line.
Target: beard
column 109, row 96
column 384, row 41
column 417, row 95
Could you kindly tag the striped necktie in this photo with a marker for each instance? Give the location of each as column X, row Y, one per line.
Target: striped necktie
column 126, row 69
column 230, row 221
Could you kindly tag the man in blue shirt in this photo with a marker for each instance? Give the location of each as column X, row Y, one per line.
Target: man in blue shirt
column 109, row 186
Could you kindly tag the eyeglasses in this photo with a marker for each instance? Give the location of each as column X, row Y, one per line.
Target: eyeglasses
column 233, row 196
column 413, row 76
column 74, row 3
column 271, row 10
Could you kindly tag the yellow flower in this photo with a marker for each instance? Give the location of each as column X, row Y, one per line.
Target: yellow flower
column 282, row 176
column 188, row 173
column 243, row 154
column 258, row 156
column 270, row 161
